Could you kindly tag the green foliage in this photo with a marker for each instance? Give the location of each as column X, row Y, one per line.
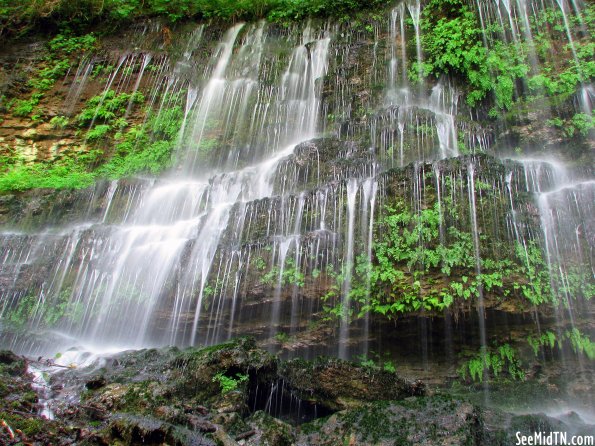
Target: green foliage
column 376, row 362
column 533, row 267
column 139, row 153
column 66, row 173
column 55, row 65
column 492, row 363
column 145, row 148
column 48, row 315
column 415, row 268
column 291, row 274
column 65, row 44
column 108, row 107
column 206, row 146
column 59, row 122
column 98, row 132
column 229, row 384
column 388, row 366
column 29, row 15
column 579, row 124
column 282, row 337
column 407, row 247
column 19, row 316
column 367, row 363
column 581, row 343
column 24, row 107
column 260, row 263
column 452, row 43
column 30, row 426
column 546, row 339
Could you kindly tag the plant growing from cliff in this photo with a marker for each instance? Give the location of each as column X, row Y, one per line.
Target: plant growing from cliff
column 46, row 313
column 492, row 363
column 376, row 363
column 580, row 124
column 28, row 15
column 64, row 173
column 55, row 65
column 533, row 267
column 581, row 343
column 59, row 122
column 546, row 339
column 291, row 274
column 282, row 337
column 108, row 107
column 406, row 248
column 453, row 44
column 145, row 148
column 227, row 383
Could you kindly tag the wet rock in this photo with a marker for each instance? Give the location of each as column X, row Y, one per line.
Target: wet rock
column 170, row 414
column 8, row 357
column 147, row 399
column 269, row 431
column 11, row 363
column 223, row 439
column 192, row 371
column 201, row 424
column 96, row 383
column 231, row 402
column 233, row 423
column 135, row 430
column 110, row 398
column 419, row 421
column 501, row 428
column 337, row 385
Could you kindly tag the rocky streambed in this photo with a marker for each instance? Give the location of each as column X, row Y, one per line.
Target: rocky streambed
column 236, row 393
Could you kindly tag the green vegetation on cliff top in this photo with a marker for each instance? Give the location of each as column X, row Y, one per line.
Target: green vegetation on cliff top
column 19, row 18
column 452, row 41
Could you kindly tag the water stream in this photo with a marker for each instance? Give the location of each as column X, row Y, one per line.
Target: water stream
column 288, row 154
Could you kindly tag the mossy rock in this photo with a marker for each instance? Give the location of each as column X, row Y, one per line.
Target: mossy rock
column 418, row 421
column 270, row 431
column 336, row 385
column 135, row 430
column 11, row 363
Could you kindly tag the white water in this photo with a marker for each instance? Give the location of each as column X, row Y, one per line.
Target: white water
column 168, row 259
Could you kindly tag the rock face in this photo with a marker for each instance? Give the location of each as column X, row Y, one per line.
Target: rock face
column 182, row 397
column 171, row 383
column 397, row 230
column 337, row 385
column 421, row 421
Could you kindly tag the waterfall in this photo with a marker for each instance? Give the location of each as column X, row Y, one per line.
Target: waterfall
column 308, row 161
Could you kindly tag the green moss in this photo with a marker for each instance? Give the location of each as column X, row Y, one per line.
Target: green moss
column 29, row 425
column 371, row 421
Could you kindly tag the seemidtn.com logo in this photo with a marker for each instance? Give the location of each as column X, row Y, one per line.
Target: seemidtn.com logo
column 553, row 439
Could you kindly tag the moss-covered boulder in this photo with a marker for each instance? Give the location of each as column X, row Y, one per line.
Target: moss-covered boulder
column 337, row 385
column 414, row 421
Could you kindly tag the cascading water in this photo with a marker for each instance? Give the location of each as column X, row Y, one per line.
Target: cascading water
column 302, row 163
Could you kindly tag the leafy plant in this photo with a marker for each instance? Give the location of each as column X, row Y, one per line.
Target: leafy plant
column 24, row 107
column 581, row 343
column 282, row 337
column 229, row 384
column 65, row 174
column 59, row 122
column 494, row 362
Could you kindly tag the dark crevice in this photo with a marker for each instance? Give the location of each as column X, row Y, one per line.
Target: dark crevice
column 279, row 400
